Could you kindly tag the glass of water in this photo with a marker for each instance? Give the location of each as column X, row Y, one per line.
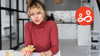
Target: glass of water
column 10, row 52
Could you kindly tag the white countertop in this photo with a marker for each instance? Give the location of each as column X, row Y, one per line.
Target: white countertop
column 18, row 53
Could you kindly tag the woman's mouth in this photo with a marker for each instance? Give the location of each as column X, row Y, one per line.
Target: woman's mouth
column 36, row 20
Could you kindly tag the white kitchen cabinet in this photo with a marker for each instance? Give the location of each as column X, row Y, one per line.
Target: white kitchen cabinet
column 83, row 33
column 71, row 32
column 67, row 31
column 61, row 31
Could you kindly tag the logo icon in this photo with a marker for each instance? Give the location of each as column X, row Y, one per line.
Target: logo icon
column 84, row 16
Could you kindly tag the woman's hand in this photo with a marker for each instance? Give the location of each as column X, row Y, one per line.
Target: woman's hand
column 47, row 53
column 27, row 53
column 43, row 54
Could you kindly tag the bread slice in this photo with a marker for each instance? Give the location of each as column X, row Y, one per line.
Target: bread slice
column 29, row 48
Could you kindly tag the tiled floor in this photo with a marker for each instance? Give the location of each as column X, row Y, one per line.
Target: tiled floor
column 70, row 48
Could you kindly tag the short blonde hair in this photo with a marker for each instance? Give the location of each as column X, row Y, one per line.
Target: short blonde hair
column 31, row 4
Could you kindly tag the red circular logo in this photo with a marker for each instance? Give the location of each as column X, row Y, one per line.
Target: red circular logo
column 84, row 16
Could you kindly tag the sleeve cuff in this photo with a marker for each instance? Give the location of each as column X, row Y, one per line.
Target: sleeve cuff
column 54, row 51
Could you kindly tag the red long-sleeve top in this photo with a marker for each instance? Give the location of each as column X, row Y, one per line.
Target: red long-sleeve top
column 44, row 36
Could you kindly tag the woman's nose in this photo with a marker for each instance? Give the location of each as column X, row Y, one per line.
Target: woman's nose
column 36, row 16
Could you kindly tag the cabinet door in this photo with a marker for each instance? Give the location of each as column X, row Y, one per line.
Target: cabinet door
column 62, row 35
column 61, row 31
column 67, row 31
column 71, row 32
column 61, row 28
column 83, row 34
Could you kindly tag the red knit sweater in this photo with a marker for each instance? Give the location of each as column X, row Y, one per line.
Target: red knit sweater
column 44, row 36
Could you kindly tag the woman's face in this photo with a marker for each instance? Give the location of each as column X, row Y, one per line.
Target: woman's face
column 37, row 16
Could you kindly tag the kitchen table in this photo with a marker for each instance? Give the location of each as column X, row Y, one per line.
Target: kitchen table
column 18, row 53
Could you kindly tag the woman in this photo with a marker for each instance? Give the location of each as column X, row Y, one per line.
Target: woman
column 40, row 33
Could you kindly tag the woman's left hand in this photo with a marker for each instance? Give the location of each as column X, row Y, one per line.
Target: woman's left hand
column 43, row 54
column 47, row 53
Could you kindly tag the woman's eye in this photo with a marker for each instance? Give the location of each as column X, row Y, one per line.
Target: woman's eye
column 32, row 14
column 39, row 13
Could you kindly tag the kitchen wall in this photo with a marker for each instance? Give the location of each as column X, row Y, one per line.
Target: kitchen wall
column 65, row 5
column 93, row 3
column 66, row 16
column 42, row 1
column 65, row 11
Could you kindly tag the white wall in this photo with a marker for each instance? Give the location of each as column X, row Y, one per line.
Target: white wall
column 96, row 15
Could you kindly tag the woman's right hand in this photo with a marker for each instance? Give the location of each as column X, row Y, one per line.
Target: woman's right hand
column 27, row 53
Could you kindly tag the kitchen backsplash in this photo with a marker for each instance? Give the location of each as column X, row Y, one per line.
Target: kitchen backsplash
column 66, row 16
